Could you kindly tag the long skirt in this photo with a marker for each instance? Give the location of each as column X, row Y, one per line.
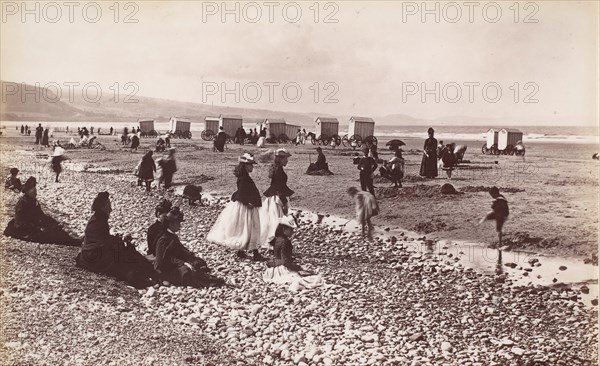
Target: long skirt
column 429, row 167
column 270, row 212
column 261, row 142
column 282, row 275
column 55, row 163
column 237, row 227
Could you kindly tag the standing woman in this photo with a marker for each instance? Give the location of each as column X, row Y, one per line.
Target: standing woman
column 220, row 140
column 429, row 162
column 147, row 169
column 169, row 167
column 238, row 226
column 262, row 138
column 275, row 205
column 46, row 138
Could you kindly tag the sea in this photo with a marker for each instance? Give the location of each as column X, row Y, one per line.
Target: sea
column 531, row 134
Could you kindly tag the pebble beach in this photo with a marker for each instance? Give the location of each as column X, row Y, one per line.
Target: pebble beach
column 385, row 302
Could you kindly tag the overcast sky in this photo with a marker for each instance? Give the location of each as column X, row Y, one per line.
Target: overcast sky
column 364, row 61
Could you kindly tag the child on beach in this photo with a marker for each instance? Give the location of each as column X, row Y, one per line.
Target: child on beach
column 282, row 269
column 499, row 212
column 366, row 207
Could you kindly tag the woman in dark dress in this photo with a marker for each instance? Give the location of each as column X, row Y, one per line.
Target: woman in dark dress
column 220, row 140
column 168, row 166
column 282, row 269
column 147, row 169
column 112, row 255
column 429, row 162
column 32, row 224
column 46, row 137
column 175, row 263
column 135, row 142
column 156, row 229
column 238, row 225
column 275, row 205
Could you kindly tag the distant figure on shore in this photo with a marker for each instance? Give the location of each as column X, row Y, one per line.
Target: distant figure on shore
column 448, row 159
column 304, row 136
column 168, row 140
column 31, row 224
column 135, row 142
column 168, row 167
column 46, row 137
column 220, row 140
column 146, row 170
column 499, row 212
column 394, row 168
column 56, row 161
column 298, row 137
column 112, row 255
column 320, row 167
column 366, row 207
column 261, row 138
column 238, row 225
column 282, row 269
column 39, row 131
column 160, row 145
column 22, row 129
column 12, row 182
column 429, row 161
column 91, row 130
column 367, row 166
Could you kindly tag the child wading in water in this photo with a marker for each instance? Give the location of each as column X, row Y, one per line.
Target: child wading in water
column 499, row 212
column 366, row 207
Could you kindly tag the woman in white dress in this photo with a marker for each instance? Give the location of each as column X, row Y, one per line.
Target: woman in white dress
column 238, row 226
column 275, row 205
column 282, row 269
column 262, row 138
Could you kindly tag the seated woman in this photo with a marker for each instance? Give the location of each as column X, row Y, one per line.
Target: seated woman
column 12, row 181
column 160, row 144
column 31, row 224
column 448, row 160
column 112, row 255
column 282, row 269
column 394, row 169
column 175, row 263
column 320, row 167
column 155, row 230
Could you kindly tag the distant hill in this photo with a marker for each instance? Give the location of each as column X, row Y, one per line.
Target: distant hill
column 15, row 108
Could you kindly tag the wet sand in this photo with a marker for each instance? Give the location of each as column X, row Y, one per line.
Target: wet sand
column 553, row 192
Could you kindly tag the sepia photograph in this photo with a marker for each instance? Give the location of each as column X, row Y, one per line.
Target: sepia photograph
column 299, row 183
